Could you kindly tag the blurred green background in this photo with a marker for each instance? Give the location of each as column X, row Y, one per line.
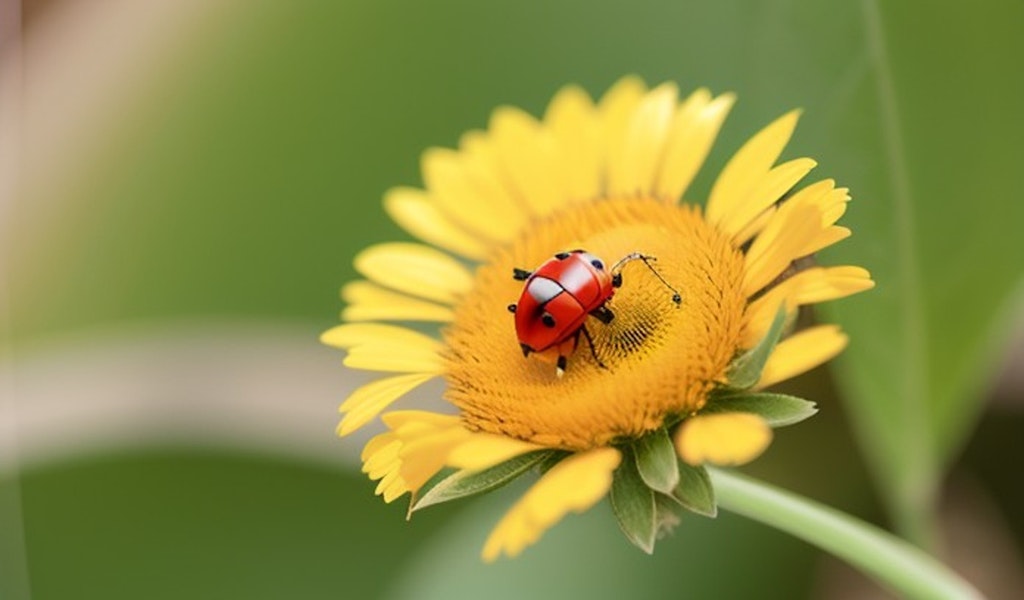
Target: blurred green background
column 212, row 175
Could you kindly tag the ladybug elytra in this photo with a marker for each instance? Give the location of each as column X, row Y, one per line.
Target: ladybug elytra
column 560, row 294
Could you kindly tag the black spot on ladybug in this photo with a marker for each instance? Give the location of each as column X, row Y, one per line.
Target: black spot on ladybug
column 597, row 264
column 562, row 255
column 548, row 320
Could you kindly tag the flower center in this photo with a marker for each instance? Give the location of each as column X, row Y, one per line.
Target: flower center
column 659, row 359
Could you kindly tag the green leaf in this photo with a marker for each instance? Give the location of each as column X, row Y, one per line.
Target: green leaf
column 657, row 462
column 695, row 492
column 778, row 410
column 462, row 483
column 745, row 371
column 925, row 343
column 633, row 504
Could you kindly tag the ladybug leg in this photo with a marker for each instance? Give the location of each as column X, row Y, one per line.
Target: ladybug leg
column 520, row 274
column 564, row 350
column 593, row 351
column 603, row 314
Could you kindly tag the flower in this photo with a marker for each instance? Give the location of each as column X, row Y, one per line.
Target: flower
column 667, row 386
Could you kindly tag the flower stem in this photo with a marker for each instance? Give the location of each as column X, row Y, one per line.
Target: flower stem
column 894, row 563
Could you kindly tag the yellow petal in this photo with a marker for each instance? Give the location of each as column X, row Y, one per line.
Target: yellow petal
column 810, row 286
column 801, row 226
column 369, row 400
column 632, row 166
column 381, row 450
column 837, row 209
column 755, row 227
column 369, row 302
column 575, row 484
column 793, row 228
column 415, row 450
column 802, row 352
column 414, row 212
column 507, row 210
column 826, row 238
column 572, row 120
column 832, row 284
column 615, row 111
column 527, row 154
column 485, row 450
column 746, row 171
column 694, row 129
column 403, row 420
column 415, row 269
column 377, row 347
column 349, row 335
column 722, row 439
column 393, row 487
column 455, row 186
column 766, row 192
column 424, row 455
column 384, row 463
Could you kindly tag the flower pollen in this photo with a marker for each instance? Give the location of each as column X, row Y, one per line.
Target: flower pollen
column 660, row 359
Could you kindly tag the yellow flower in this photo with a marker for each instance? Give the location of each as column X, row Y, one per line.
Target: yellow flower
column 663, row 380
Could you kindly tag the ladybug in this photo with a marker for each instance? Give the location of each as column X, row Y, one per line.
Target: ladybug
column 560, row 294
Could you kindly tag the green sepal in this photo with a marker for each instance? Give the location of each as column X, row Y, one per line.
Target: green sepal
column 745, row 370
column 657, row 462
column 695, row 492
column 467, row 483
column 668, row 514
column 431, row 483
column 778, row 410
column 633, row 504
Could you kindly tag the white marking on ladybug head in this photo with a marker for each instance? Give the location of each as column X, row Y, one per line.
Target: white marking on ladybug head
column 543, row 289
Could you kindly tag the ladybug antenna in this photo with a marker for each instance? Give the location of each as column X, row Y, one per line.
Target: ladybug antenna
column 647, row 260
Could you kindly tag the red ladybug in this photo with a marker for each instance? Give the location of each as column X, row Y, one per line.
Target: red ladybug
column 558, row 297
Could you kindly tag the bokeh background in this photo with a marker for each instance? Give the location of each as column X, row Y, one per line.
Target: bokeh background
column 184, row 185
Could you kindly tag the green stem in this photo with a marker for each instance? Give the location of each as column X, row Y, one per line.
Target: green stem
column 894, row 563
